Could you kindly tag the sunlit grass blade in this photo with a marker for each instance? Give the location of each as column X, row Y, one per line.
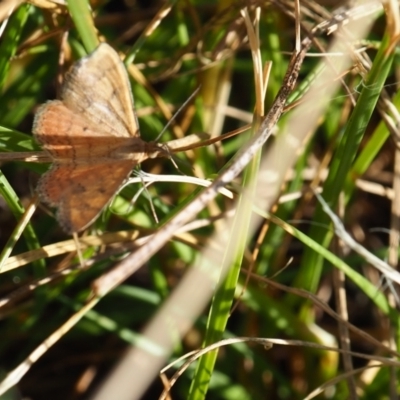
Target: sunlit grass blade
column 310, row 271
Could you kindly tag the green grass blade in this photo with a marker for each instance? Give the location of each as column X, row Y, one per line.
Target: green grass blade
column 12, row 140
column 82, row 16
column 224, row 296
column 311, row 267
column 371, row 150
column 17, row 209
column 10, row 40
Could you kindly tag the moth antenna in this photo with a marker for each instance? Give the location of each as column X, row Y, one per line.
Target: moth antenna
column 132, row 202
column 177, row 113
column 145, row 185
column 140, row 174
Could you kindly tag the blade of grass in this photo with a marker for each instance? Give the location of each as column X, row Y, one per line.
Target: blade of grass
column 224, row 297
column 12, row 140
column 310, row 269
column 367, row 287
column 370, row 150
column 82, row 16
column 10, row 39
column 22, row 95
column 239, row 233
column 18, row 210
column 130, row 57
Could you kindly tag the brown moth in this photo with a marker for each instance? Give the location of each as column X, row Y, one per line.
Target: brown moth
column 92, row 136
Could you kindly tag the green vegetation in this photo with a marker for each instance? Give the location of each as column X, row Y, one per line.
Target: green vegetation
column 260, row 260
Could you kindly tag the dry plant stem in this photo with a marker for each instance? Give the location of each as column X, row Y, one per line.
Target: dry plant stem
column 327, row 309
column 393, row 259
column 161, row 14
column 189, row 142
column 18, row 231
column 112, row 238
column 340, row 19
column 7, row 7
column 393, row 17
column 31, row 156
column 61, row 60
column 15, row 376
column 337, row 379
column 376, row 262
column 268, row 343
column 68, row 246
column 339, row 279
column 261, row 76
column 260, row 84
column 24, row 291
column 395, row 217
column 195, row 355
column 109, row 281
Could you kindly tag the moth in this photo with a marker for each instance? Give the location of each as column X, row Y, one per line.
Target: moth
column 92, row 136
